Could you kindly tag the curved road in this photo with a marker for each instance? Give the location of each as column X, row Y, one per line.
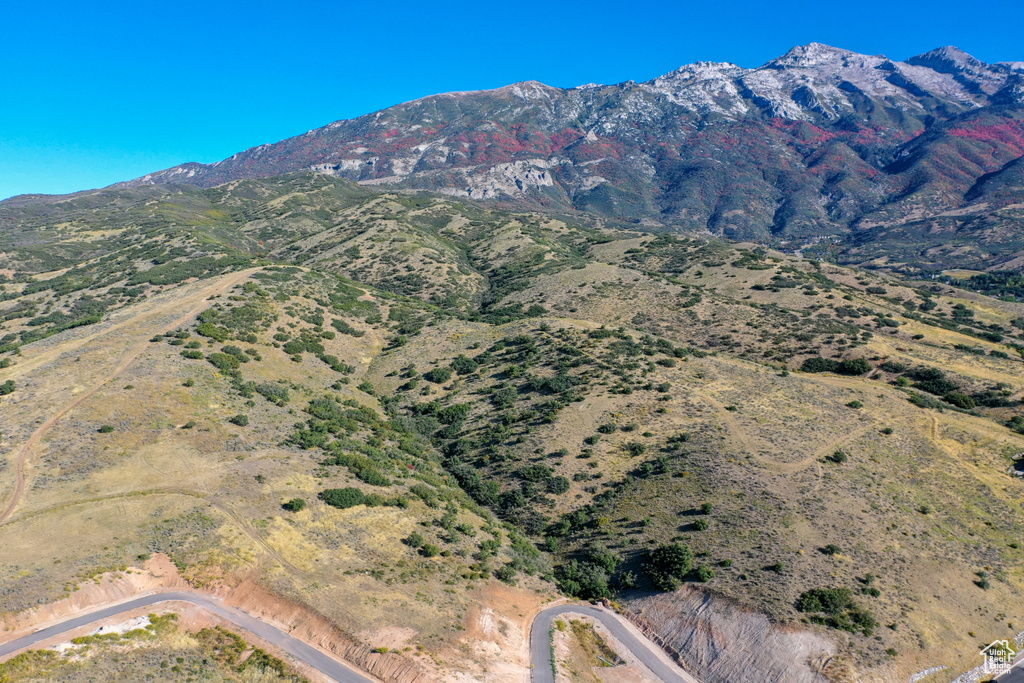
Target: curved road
column 643, row 649
column 293, row 646
column 540, row 637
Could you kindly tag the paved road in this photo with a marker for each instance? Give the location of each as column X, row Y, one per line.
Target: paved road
column 642, row 649
column 540, row 648
column 1016, row 675
column 293, row 646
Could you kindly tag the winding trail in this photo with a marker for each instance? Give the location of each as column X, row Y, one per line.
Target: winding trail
column 299, row 649
column 196, row 302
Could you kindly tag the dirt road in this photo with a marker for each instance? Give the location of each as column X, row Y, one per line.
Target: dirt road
column 193, row 305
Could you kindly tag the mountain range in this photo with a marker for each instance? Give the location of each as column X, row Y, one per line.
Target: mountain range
column 918, row 161
column 402, row 381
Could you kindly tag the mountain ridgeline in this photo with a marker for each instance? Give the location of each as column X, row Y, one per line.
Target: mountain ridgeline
column 916, row 161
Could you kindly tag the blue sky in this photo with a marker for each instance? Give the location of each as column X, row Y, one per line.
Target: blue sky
column 93, row 93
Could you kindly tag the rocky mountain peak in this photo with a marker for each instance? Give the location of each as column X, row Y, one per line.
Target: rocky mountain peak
column 812, row 55
column 948, row 59
column 807, row 144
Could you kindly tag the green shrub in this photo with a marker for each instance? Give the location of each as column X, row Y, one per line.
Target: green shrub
column 819, row 364
column 294, row 347
column 583, row 579
column 295, row 505
column 240, row 420
column 105, row 429
column 855, row 404
column 192, row 355
column 828, row 600
column 343, row 498
column 701, row 524
column 635, row 449
column 345, row 328
column 835, row 607
column 213, row 332
column 960, row 400
column 7, row 387
column 235, row 352
column 1016, row 423
column 853, row 366
column 923, row 400
column 932, row 380
column 504, row 397
column 273, row 392
column 706, row 508
column 831, row 549
column 438, row 375
column 223, row 361
column 838, row 457
column 667, row 565
column 705, row 573
column 893, row 366
column 558, row 485
column 463, row 365
column 429, row 550
column 373, row 477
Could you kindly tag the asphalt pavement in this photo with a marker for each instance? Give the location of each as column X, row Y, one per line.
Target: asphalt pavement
column 1016, row 675
column 540, row 643
column 293, row 646
column 642, row 649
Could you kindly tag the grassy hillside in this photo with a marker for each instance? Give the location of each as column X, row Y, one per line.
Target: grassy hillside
column 385, row 404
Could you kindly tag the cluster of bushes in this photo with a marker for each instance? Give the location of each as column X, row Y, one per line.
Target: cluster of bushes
column 668, row 565
column 588, row 576
column 438, row 375
column 343, row 498
column 836, row 608
column 425, row 548
column 224, row 362
column 345, row 328
column 273, row 392
column 85, row 311
column 7, row 387
column 847, row 366
column 1016, row 423
column 173, row 272
column 935, row 381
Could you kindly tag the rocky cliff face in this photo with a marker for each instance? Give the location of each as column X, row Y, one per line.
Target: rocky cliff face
column 819, row 141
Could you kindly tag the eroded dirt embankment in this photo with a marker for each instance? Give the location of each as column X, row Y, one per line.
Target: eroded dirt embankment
column 300, row 622
column 721, row 642
column 159, row 574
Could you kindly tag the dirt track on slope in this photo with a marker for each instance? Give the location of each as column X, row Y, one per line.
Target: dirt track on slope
column 194, row 303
